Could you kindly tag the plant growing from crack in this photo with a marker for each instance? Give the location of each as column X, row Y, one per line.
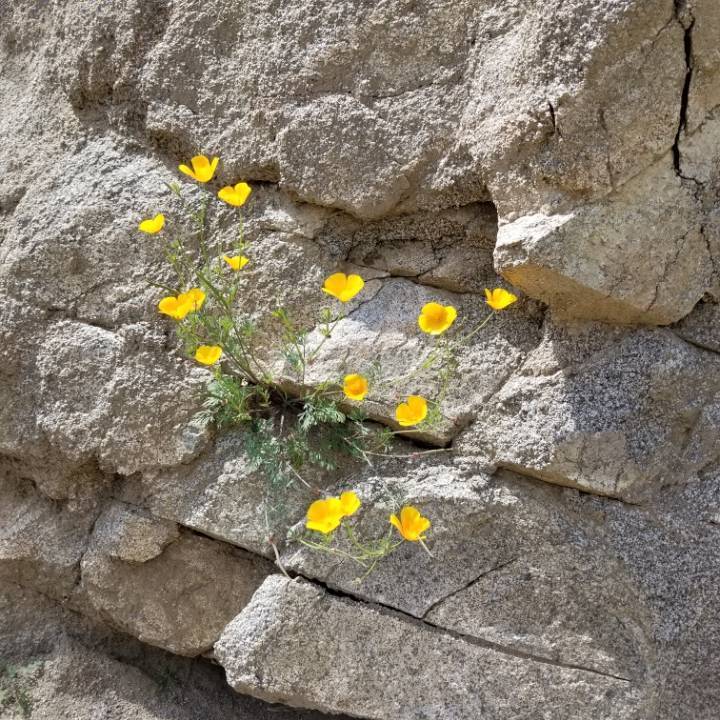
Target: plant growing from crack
column 16, row 681
column 289, row 426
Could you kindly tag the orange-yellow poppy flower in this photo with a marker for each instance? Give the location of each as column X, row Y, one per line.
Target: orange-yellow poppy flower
column 178, row 307
column 435, row 318
column 343, row 287
column 324, row 515
column 208, row 354
column 349, row 503
column 411, row 524
column 411, row 412
column 236, row 262
column 153, row 225
column 355, row 387
column 236, row 195
column 499, row 298
column 202, row 168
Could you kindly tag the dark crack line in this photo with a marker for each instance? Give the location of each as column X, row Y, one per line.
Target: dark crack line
column 522, row 655
column 420, row 621
column 685, row 95
column 466, row 586
column 470, row 639
column 695, row 343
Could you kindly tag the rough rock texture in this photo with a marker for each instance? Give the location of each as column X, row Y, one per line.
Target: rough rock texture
column 294, row 640
column 614, row 412
column 568, row 148
column 57, row 665
column 177, row 595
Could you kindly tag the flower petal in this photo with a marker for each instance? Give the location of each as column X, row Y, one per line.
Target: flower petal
column 208, row 354
column 335, row 284
column 349, row 502
column 499, row 298
column 355, row 387
column 353, row 286
column 324, row 515
column 153, row 225
column 242, row 193
column 200, row 163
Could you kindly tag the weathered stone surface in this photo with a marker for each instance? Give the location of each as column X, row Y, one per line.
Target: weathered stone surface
column 381, row 339
column 603, row 261
column 217, row 494
column 131, row 534
column 702, row 327
column 552, row 604
column 41, row 540
column 615, row 412
column 179, row 599
column 392, row 139
column 701, row 21
column 296, row 643
column 62, row 666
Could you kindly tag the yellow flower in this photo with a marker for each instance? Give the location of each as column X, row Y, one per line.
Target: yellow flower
column 153, row 225
column 499, row 298
column 355, row 387
column 202, row 169
column 235, row 195
column 435, row 319
column 236, row 262
column 208, row 354
column 324, row 515
column 349, row 503
column 343, row 287
column 178, row 307
column 411, row 524
column 411, row 412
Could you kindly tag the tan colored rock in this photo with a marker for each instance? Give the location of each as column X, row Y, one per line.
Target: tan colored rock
column 702, row 326
column 181, row 598
column 41, row 541
column 133, row 535
column 637, row 256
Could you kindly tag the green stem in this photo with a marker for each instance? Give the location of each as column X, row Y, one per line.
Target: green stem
column 326, row 336
column 330, row 551
column 241, row 345
column 463, row 340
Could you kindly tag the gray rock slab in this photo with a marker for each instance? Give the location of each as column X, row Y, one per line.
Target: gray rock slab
column 297, row 644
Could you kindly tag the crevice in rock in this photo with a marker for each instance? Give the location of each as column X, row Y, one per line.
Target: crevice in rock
column 56, row 313
column 466, row 586
column 470, row 639
column 695, row 343
column 430, row 626
column 680, row 7
column 669, row 263
column 538, row 475
column 553, row 119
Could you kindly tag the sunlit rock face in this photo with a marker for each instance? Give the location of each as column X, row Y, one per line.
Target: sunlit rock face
column 567, row 151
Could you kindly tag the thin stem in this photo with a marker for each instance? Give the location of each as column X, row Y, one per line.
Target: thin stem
column 162, row 286
column 301, row 479
column 278, row 562
column 330, row 551
column 329, row 327
column 241, row 345
column 425, row 547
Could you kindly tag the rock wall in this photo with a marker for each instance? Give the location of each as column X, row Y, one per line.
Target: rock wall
column 570, row 148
